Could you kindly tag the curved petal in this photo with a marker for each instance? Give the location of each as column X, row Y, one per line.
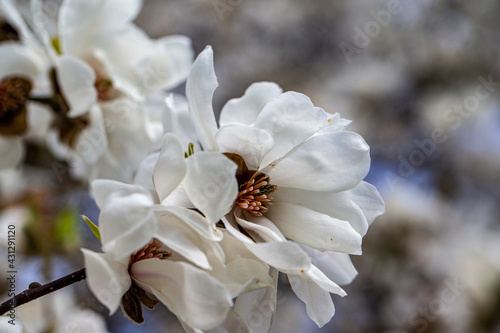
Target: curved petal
column 335, row 204
column 336, row 266
column 167, row 66
column 76, row 79
column 261, row 226
column 319, row 304
column 285, row 256
column 318, row 277
column 366, row 196
column 105, row 190
column 291, row 118
column 314, row 229
column 196, row 222
column 200, row 88
column 190, row 293
column 107, row 279
column 81, row 22
column 245, row 110
column 144, row 175
column 333, row 162
column 19, row 60
column 211, row 184
column 251, row 143
column 171, row 166
column 175, row 234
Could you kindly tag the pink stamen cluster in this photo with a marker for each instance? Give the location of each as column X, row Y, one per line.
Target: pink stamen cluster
column 151, row 250
column 253, row 196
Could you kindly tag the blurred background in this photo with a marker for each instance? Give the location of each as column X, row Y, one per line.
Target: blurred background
column 421, row 82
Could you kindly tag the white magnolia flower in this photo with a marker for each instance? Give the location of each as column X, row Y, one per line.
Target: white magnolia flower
column 300, row 175
column 153, row 249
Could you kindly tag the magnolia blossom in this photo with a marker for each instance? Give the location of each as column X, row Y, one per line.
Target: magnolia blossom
column 300, row 178
column 103, row 118
column 172, row 252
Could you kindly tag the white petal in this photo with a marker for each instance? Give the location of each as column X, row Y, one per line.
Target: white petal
column 331, row 162
column 144, row 174
column 127, row 220
column 12, row 151
column 175, row 234
column 319, row 304
column 200, row 87
column 92, row 142
column 260, row 226
column 104, row 190
column 291, row 118
column 366, row 196
column 243, row 275
column 171, row 166
column 19, row 60
column 232, row 227
column 336, row 266
column 314, row 229
column 13, row 325
column 167, row 66
column 335, row 204
column 76, row 79
column 107, row 279
column 318, row 277
column 251, row 143
column 196, row 222
column 78, row 32
column 211, row 184
column 244, row 110
column 257, row 308
column 284, row 256
column 190, row 293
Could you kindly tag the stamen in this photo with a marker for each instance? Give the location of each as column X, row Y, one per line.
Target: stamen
column 253, row 195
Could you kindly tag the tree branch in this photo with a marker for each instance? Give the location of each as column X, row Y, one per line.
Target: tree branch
column 31, row 294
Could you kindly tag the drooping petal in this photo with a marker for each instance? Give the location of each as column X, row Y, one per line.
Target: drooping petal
column 245, row 110
column 104, row 190
column 314, row 229
column 76, row 79
column 171, row 166
column 336, row 266
column 190, row 293
column 331, row 162
column 211, row 183
column 285, row 256
column 107, row 279
column 335, row 204
column 200, row 87
column 291, row 118
column 318, row 277
column 258, row 307
column 260, row 226
column 196, row 222
column 366, row 196
column 319, row 304
column 251, row 143
column 175, row 234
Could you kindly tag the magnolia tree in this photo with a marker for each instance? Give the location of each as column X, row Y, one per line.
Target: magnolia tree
column 198, row 216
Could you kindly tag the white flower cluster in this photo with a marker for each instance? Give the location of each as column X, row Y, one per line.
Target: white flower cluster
column 204, row 224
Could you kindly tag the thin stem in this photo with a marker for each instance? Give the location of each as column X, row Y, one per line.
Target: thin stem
column 31, row 294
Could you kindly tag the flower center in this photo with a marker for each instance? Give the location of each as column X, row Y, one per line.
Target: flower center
column 254, row 194
column 151, row 250
column 14, row 92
